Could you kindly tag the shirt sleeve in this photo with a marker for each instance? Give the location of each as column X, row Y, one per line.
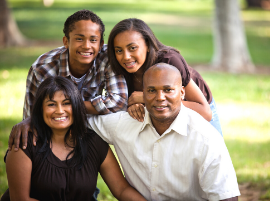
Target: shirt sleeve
column 115, row 96
column 105, row 125
column 217, row 176
column 31, row 88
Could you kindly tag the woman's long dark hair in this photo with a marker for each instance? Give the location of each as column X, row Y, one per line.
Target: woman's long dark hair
column 79, row 127
column 156, row 48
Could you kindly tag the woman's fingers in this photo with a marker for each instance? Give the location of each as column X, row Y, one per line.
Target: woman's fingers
column 136, row 111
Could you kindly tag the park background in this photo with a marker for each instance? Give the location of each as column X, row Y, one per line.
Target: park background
column 243, row 100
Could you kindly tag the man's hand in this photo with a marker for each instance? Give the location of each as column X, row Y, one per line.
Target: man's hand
column 136, row 97
column 136, row 111
column 19, row 129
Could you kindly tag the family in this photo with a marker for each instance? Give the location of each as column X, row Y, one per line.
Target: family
column 134, row 93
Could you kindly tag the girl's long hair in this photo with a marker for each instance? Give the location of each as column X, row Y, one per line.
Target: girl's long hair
column 156, row 48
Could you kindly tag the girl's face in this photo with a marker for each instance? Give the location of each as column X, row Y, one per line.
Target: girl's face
column 130, row 50
column 57, row 112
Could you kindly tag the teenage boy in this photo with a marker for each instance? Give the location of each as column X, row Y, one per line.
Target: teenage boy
column 83, row 59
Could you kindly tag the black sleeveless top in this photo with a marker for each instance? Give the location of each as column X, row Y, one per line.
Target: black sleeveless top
column 52, row 179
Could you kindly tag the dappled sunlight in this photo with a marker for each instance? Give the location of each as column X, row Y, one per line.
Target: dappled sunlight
column 248, row 122
column 255, row 173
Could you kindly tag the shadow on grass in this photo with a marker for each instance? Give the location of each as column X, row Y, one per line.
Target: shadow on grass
column 251, row 161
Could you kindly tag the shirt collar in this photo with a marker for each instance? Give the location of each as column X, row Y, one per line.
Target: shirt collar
column 179, row 125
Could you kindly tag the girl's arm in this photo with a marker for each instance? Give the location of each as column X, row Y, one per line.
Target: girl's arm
column 113, row 177
column 196, row 100
column 19, row 176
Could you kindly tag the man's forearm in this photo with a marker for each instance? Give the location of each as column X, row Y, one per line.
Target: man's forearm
column 231, row 199
column 90, row 108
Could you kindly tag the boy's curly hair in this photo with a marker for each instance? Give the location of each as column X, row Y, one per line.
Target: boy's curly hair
column 83, row 15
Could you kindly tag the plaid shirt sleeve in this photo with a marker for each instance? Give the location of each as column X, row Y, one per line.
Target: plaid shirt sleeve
column 116, row 94
column 31, row 88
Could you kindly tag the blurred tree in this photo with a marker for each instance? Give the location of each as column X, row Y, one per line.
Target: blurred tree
column 10, row 35
column 230, row 46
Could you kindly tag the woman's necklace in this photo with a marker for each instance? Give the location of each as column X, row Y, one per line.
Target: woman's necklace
column 136, row 78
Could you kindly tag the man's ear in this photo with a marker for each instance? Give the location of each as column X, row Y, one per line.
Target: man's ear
column 65, row 42
column 182, row 91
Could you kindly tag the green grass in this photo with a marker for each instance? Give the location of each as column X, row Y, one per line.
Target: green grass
column 243, row 100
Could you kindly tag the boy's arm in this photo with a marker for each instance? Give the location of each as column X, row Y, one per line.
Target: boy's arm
column 116, row 94
column 90, row 108
column 31, row 88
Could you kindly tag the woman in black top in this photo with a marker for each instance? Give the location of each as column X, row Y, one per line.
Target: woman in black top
column 133, row 47
column 65, row 163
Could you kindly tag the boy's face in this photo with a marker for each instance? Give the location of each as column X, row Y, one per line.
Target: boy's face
column 84, row 45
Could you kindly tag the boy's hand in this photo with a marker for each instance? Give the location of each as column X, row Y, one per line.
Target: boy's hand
column 19, row 129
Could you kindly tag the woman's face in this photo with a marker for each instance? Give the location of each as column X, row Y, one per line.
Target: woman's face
column 57, row 112
column 130, row 50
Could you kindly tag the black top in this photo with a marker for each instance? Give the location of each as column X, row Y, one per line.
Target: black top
column 176, row 59
column 53, row 179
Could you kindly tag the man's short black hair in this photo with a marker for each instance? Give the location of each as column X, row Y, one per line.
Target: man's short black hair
column 83, row 15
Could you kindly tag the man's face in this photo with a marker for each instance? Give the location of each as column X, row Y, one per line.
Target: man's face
column 162, row 94
column 84, row 45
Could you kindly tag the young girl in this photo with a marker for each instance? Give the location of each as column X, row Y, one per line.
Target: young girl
column 133, row 47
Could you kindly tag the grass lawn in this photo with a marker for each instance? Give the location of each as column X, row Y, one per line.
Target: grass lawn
column 243, row 100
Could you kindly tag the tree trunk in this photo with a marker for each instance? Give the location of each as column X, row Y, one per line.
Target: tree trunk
column 254, row 3
column 230, row 46
column 10, row 35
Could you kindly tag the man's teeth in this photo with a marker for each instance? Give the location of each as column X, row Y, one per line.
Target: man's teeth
column 60, row 118
column 160, row 106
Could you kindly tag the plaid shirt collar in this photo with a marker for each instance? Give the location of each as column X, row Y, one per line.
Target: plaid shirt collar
column 64, row 65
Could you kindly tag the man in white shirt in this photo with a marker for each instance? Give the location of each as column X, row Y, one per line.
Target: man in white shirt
column 174, row 154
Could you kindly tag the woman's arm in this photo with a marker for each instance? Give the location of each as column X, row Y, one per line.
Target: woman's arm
column 113, row 177
column 19, row 176
column 196, row 100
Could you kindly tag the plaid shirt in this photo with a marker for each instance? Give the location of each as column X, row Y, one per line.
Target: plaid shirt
column 106, row 91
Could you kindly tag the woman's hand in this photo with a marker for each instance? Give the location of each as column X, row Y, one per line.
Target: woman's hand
column 136, row 97
column 136, row 111
column 19, row 129
column 113, row 177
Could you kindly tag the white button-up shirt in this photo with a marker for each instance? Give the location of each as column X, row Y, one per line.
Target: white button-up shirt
column 189, row 161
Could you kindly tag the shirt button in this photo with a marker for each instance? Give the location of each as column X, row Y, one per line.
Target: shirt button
column 158, row 141
column 153, row 189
